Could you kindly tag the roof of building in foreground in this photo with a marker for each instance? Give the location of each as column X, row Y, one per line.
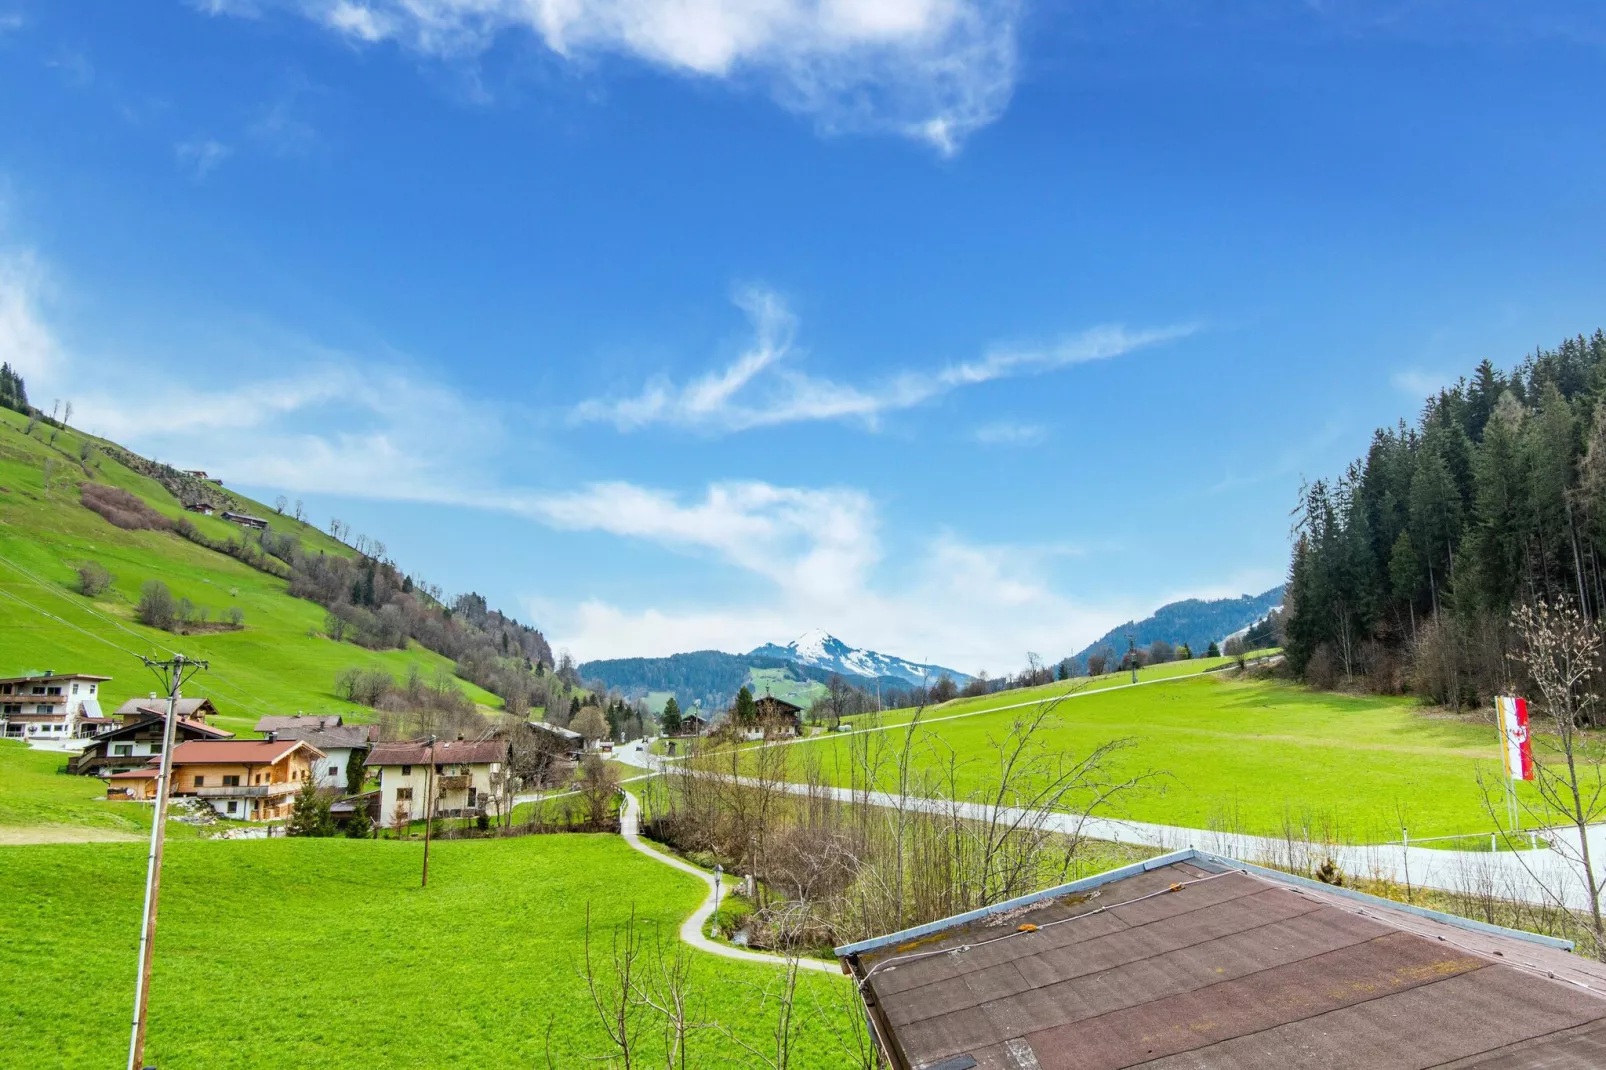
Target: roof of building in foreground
column 1192, row 960
column 443, row 752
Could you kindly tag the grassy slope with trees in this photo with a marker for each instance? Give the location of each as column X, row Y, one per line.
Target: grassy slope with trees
column 358, row 966
column 1407, row 566
column 277, row 663
column 1238, row 754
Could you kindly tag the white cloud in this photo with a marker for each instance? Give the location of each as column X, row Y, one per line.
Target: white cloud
column 761, row 388
column 934, row 70
column 325, row 421
column 201, row 156
column 26, row 343
column 1009, row 433
column 818, row 553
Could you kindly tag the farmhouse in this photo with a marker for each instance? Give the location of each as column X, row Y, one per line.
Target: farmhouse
column 341, row 745
column 129, row 746
column 50, row 710
column 268, row 726
column 693, row 724
column 463, row 776
column 1194, row 960
column 779, row 717
column 189, row 709
column 565, row 741
column 250, row 780
column 245, row 521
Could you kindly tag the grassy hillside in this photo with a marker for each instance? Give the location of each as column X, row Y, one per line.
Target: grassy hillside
column 1246, row 755
column 326, row 953
column 276, row 664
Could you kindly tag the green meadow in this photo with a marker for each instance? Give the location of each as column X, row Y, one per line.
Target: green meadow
column 1241, row 754
column 326, row 953
column 278, row 663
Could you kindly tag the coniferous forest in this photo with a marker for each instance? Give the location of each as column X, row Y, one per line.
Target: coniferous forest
column 1407, row 566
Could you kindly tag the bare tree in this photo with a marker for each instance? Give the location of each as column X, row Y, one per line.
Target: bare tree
column 1561, row 651
column 612, row 985
column 598, row 787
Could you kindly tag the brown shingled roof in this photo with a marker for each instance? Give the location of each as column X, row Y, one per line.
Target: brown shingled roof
column 1204, row 962
column 455, row 752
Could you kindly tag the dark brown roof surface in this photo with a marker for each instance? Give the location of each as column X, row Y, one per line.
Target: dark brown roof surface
column 1230, row 969
column 446, row 752
column 275, row 723
column 348, row 735
column 187, row 707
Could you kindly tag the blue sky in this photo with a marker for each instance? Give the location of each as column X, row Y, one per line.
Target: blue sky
column 954, row 327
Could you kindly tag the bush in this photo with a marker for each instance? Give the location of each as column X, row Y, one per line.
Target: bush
column 93, row 578
column 122, row 509
column 157, row 607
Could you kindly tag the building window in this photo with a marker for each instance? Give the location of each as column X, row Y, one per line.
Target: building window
column 232, row 806
column 75, row 689
column 407, row 770
column 200, row 781
column 231, row 782
column 404, row 794
column 156, row 748
column 123, row 750
column 334, row 772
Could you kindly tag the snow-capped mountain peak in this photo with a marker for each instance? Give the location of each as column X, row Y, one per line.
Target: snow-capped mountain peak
column 824, row 650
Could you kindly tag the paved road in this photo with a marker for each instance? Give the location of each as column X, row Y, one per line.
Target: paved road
column 692, row 931
column 1536, row 876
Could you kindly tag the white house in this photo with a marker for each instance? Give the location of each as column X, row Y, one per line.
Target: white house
column 464, row 777
column 342, row 745
column 51, row 711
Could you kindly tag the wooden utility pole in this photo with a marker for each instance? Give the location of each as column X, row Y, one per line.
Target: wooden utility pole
column 429, row 808
column 153, row 871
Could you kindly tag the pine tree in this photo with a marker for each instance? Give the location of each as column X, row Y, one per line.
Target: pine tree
column 746, row 712
column 1213, row 651
column 669, row 720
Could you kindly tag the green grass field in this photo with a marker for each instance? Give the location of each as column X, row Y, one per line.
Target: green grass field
column 1244, row 755
column 273, row 665
column 326, row 954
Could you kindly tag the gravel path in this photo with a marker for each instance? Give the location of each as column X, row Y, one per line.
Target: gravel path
column 692, row 931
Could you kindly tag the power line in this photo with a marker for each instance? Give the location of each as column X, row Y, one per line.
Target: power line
column 70, row 624
column 62, row 593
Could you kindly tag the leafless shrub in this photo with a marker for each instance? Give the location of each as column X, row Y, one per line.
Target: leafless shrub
column 122, row 509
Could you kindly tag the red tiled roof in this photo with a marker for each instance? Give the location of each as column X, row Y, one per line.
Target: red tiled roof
column 236, row 751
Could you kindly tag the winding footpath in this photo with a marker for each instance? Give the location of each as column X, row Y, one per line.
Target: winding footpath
column 692, row 931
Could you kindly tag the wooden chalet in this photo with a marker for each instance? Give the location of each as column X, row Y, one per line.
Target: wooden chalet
column 778, row 717
column 132, row 744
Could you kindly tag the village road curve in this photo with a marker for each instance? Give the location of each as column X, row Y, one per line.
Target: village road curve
column 692, row 931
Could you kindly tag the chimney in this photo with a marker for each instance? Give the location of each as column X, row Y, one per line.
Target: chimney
column 50, row 672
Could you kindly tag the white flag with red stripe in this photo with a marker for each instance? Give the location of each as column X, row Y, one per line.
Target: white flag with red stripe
column 1516, row 749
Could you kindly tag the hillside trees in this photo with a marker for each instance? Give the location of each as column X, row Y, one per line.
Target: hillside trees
column 1407, row 566
column 13, row 394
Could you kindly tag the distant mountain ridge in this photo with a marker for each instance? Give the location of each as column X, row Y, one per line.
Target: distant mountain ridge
column 1193, row 621
column 809, row 661
column 821, row 650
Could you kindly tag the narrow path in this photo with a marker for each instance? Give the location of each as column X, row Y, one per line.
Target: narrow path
column 692, row 931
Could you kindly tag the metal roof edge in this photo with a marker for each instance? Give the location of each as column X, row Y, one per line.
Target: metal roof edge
column 1119, row 873
column 1387, row 904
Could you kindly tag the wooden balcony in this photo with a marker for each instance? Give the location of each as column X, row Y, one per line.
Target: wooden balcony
column 461, row 782
column 246, row 791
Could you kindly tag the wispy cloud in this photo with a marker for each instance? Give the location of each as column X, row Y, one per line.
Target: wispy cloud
column 965, row 604
column 326, row 421
column 26, row 343
column 201, row 156
column 934, row 70
column 763, row 388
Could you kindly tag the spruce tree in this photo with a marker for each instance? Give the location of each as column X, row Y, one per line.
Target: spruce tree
column 669, row 720
column 746, row 713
